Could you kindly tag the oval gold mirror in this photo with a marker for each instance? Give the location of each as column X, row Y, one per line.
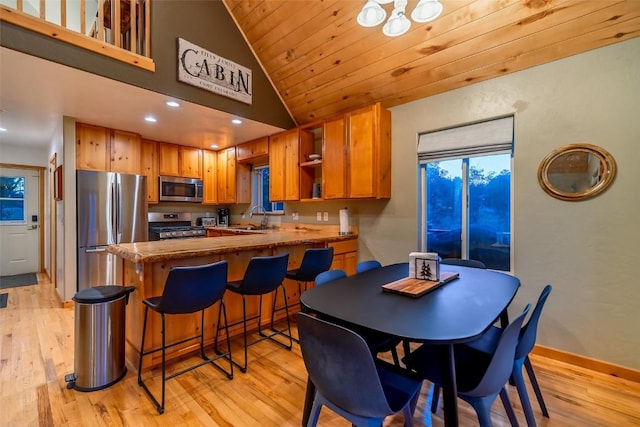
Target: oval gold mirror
column 576, row 171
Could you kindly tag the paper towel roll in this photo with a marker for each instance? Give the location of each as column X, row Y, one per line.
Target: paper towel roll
column 344, row 221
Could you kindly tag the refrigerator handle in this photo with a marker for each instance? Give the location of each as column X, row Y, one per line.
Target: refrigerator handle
column 118, row 209
column 113, row 216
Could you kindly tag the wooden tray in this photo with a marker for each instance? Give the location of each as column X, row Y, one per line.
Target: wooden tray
column 417, row 287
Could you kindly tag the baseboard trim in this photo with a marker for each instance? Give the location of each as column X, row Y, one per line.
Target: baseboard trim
column 588, row 363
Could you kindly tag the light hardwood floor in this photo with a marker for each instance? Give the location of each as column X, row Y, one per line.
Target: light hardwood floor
column 36, row 351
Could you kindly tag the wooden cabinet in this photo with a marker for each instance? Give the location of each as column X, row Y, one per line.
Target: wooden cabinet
column 190, row 162
column 345, row 255
column 179, row 160
column 168, row 159
column 149, row 168
column 107, row 150
column 209, row 177
column 357, row 155
column 125, row 152
column 284, row 165
column 92, row 145
column 256, row 151
column 234, row 179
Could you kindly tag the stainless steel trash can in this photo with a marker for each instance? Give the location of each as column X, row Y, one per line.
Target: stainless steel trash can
column 99, row 337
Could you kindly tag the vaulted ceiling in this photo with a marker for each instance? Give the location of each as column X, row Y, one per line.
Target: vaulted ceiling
column 322, row 62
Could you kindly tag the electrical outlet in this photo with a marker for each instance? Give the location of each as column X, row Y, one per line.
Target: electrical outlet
column 318, row 216
column 295, row 216
column 326, row 216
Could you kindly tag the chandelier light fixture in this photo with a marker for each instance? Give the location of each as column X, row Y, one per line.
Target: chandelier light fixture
column 373, row 14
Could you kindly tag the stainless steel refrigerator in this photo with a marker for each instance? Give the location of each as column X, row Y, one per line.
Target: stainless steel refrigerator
column 111, row 208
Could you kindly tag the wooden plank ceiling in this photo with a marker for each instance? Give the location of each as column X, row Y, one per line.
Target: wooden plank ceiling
column 322, row 62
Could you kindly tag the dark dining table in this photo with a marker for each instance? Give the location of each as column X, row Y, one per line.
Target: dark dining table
column 457, row 312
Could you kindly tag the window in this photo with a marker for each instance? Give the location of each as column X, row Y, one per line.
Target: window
column 12, row 203
column 465, row 193
column 260, row 193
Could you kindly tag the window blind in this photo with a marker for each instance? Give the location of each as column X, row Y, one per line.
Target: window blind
column 490, row 137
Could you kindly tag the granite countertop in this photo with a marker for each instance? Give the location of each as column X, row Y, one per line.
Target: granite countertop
column 163, row 250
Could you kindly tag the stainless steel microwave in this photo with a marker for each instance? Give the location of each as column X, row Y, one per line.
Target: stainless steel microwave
column 174, row 189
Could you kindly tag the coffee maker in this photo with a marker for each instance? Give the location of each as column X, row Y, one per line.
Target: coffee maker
column 223, row 217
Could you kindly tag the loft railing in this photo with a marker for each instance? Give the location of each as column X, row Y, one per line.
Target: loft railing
column 119, row 29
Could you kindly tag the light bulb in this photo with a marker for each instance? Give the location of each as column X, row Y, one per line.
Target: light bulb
column 371, row 14
column 426, row 11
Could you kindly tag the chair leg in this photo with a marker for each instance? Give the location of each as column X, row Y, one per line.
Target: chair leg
column 522, row 392
column 394, row 354
column 159, row 406
column 435, row 397
column 286, row 309
column 536, row 387
column 223, row 309
column 504, row 396
column 482, row 406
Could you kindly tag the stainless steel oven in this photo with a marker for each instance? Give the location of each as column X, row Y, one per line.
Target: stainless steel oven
column 175, row 189
column 163, row 226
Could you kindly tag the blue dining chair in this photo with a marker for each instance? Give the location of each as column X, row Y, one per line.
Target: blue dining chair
column 348, row 380
column 377, row 341
column 367, row 265
column 489, row 341
column 480, row 376
column 329, row 276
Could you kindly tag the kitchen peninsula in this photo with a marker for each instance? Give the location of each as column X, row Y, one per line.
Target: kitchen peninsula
column 146, row 265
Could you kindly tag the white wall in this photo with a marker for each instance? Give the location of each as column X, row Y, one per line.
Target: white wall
column 18, row 155
column 587, row 250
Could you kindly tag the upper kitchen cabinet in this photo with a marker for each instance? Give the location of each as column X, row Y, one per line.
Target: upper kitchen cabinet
column 149, row 168
column 125, row 152
column 254, row 152
column 234, row 179
column 284, row 164
column 92, row 147
column 107, row 150
column 357, row 155
column 209, row 177
column 179, row 160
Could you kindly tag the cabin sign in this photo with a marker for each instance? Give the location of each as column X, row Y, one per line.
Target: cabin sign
column 206, row 70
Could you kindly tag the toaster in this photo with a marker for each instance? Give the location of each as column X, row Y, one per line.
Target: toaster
column 209, row 222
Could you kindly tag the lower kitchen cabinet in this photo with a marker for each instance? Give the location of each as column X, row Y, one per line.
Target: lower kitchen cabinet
column 345, row 255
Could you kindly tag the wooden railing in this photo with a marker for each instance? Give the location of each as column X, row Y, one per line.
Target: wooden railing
column 119, row 29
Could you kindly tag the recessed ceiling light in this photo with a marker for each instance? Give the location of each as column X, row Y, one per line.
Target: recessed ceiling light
column 236, row 121
column 151, row 119
column 3, row 129
column 172, row 104
column 214, row 146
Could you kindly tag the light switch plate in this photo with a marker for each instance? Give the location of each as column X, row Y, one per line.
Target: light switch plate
column 295, row 216
column 326, row 216
column 318, row 216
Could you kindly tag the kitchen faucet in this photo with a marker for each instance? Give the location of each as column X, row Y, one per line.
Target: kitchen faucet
column 263, row 223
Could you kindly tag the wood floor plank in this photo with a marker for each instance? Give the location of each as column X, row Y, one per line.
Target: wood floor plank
column 36, row 352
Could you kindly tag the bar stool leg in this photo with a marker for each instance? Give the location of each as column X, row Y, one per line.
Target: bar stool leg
column 159, row 406
column 286, row 309
column 223, row 310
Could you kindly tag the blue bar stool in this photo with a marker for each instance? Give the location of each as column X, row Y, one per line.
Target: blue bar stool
column 314, row 262
column 262, row 276
column 187, row 290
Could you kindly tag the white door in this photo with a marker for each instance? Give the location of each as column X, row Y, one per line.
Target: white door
column 19, row 221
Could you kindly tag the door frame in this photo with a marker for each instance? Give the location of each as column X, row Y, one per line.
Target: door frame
column 53, row 216
column 41, row 171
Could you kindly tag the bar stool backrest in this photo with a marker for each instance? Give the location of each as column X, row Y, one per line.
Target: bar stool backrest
column 314, row 262
column 264, row 274
column 191, row 289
